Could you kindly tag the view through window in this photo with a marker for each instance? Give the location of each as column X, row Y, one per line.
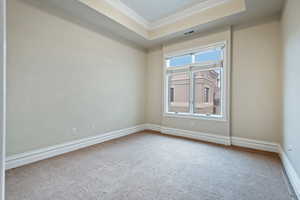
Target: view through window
column 179, row 85
column 194, row 83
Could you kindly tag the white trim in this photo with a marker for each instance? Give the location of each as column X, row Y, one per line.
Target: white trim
column 225, row 80
column 290, row 171
column 195, row 116
column 129, row 12
column 255, row 144
column 180, row 15
column 48, row 152
column 195, row 50
column 3, row 96
column 152, row 127
column 207, row 137
column 41, row 154
column 237, row 141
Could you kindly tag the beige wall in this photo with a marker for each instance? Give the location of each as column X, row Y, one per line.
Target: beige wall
column 291, row 81
column 154, row 82
column 70, row 76
column 62, row 75
column 256, row 82
column 256, row 86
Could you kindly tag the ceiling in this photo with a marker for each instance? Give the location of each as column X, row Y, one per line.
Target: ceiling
column 124, row 26
column 153, row 10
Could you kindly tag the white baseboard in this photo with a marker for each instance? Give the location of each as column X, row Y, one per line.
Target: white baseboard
column 207, row 137
column 290, row 171
column 255, row 144
column 37, row 155
column 237, row 141
column 152, row 127
column 41, row 154
column 48, row 152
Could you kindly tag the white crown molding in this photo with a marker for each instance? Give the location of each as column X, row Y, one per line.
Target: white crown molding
column 166, row 20
column 129, row 12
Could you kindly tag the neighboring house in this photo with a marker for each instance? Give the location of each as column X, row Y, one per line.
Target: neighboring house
column 206, row 94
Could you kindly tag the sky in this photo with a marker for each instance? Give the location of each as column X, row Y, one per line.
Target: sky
column 187, row 59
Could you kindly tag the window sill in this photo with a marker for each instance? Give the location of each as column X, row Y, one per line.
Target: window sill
column 195, row 116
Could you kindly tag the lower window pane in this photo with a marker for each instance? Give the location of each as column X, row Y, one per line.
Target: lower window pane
column 178, row 90
column 207, row 88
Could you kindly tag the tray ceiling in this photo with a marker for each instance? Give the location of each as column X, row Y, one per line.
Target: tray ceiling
column 121, row 21
column 157, row 9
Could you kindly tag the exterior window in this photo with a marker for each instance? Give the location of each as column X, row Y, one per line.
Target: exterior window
column 195, row 83
column 179, row 86
column 171, row 95
column 206, row 95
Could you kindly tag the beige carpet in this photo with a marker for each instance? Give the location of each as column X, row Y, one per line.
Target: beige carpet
column 148, row 166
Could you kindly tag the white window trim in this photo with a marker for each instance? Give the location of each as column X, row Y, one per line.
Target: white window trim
column 224, row 83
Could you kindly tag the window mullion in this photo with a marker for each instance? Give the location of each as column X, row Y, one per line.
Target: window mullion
column 191, row 91
column 168, row 92
column 193, row 58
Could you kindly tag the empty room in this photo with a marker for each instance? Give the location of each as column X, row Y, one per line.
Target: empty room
column 150, row 100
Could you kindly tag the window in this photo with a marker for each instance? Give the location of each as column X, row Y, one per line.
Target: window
column 206, row 94
column 171, row 95
column 180, row 60
column 194, row 83
column 213, row 55
column 179, row 86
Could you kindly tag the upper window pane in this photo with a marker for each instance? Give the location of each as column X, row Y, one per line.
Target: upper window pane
column 180, row 60
column 213, row 55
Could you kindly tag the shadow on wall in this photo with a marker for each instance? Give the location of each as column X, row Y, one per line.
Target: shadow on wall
column 75, row 12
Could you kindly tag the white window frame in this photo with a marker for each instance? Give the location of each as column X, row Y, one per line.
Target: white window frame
column 200, row 67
